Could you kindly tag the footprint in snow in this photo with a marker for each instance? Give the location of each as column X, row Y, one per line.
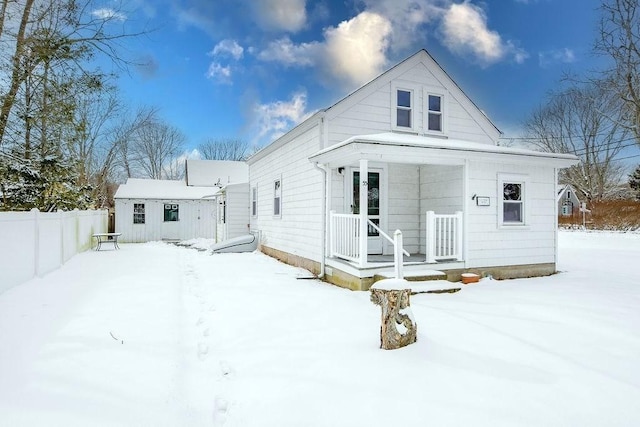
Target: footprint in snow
column 203, row 350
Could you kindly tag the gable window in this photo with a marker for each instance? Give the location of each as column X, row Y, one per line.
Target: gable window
column 254, row 201
column 512, row 196
column 434, row 108
column 277, row 197
column 568, row 194
column 404, row 112
column 170, row 212
column 138, row 213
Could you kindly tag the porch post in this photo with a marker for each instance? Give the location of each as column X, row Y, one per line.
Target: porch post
column 364, row 206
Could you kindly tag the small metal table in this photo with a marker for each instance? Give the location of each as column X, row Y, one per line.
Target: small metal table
column 107, row 238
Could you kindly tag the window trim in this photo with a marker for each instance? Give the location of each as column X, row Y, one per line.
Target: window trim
column 441, row 113
column 413, row 91
column 279, row 199
column 522, row 179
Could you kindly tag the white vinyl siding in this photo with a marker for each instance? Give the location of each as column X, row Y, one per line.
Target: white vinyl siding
column 490, row 244
column 374, row 109
column 197, row 219
column 299, row 230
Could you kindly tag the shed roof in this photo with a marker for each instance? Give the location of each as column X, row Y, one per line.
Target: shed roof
column 208, row 173
column 136, row 188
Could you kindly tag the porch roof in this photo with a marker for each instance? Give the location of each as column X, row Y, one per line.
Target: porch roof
column 404, row 148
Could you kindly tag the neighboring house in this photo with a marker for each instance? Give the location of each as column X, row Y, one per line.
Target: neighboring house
column 407, row 151
column 148, row 209
column 568, row 202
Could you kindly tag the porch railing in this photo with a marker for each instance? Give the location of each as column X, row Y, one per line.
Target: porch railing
column 344, row 236
column 444, row 237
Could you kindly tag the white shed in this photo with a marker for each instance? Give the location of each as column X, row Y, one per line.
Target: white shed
column 150, row 209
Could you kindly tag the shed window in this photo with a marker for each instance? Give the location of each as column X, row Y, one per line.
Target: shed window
column 170, row 212
column 138, row 213
column 435, row 113
column 277, row 197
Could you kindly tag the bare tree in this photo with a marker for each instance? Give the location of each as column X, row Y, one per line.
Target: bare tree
column 52, row 36
column 154, row 149
column 224, row 149
column 619, row 39
column 573, row 122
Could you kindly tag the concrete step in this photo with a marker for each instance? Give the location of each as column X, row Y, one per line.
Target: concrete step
column 413, row 275
column 434, row 287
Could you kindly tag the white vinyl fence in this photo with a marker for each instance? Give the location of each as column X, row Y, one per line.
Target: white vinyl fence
column 35, row 243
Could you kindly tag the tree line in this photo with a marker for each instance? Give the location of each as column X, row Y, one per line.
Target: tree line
column 66, row 137
column 597, row 116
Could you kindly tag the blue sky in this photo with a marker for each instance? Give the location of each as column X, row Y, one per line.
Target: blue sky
column 252, row 69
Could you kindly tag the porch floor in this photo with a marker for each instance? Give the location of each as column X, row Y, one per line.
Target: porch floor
column 377, row 264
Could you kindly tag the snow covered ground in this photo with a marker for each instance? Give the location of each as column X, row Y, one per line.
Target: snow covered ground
column 158, row 335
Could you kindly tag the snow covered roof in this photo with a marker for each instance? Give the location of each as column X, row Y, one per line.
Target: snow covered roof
column 136, row 188
column 385, row 145
column 208, row 173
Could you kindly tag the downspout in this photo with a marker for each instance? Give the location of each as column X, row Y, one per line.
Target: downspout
column 324, row 218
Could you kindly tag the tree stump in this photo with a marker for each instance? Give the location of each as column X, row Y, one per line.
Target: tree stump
column 398, row 327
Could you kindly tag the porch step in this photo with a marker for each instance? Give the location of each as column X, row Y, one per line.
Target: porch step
column 434, row 287
column 413, row 275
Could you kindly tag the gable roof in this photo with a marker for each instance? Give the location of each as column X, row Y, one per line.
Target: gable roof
column 209, row 173
column 151, row 189
column 421, row 56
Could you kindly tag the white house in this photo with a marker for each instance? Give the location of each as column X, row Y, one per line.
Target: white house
column 148, row 209
column 408, row 151
column 568, row 202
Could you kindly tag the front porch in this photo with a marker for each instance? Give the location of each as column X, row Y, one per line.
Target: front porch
column 389, row 211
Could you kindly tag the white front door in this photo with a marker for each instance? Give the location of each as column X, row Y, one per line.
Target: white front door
column 374, row 243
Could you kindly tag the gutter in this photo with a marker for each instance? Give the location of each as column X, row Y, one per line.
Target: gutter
column 324, row 219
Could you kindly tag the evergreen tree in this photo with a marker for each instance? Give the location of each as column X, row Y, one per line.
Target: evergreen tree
column 634, row 182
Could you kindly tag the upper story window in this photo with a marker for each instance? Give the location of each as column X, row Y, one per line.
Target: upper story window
column 404, row 111
column 434, row 111
column 138, row 213
column 568, row 194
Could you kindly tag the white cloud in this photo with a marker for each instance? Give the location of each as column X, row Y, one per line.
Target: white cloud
column 550, row 57
column 465, row 31
column 228, row 47
column 408, row 18
column 219, row 73
column 287, row 15
column 356, row 48
column 274, row 119
column 287, row 53
column 109, row 14
column 353, row 52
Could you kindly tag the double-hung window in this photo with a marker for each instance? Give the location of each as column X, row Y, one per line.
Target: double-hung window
column 404, row 108
column 434, row 113
column 138, row 213
column 512, row 200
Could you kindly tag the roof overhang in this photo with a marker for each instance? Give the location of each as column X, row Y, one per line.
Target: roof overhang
column 415, row 149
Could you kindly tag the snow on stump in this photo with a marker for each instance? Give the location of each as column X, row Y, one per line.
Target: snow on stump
column 398, row 327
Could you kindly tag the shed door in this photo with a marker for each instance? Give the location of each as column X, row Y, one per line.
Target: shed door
column 171, row 221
